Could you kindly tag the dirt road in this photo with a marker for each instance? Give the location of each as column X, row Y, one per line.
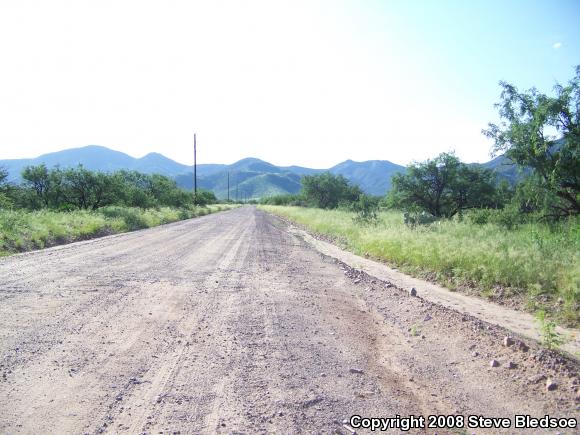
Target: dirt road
column 228, row 323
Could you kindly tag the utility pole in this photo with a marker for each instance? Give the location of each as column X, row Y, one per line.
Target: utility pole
column 228, row 186
column 194, row 167
column 237, row 185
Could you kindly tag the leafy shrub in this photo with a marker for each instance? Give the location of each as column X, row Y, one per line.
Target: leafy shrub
column 183, row 214
column 288, row 199
column 10, row 221
column 204, row 197
column 479, row 216
column 79, row 188
column 133, row 218
column 366, row 209
column 414, row 218
column 550, row 337
column 509, row 218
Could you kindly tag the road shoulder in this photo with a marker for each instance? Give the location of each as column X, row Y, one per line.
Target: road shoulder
column 518, row 322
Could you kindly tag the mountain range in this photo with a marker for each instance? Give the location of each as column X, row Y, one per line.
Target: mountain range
column 248, row 178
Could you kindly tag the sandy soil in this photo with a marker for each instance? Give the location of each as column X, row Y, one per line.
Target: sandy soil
column 231, row 324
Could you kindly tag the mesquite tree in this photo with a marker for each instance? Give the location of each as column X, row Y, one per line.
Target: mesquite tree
column 543, row 133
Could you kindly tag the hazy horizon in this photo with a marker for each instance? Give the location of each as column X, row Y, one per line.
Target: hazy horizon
column 308, row 83
column 228, row 162
column 187, row 164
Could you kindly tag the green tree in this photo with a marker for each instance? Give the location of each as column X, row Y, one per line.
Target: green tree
column 136, row 190
column 443, row 187
column 543, row 133
column 328, row 191
column 5, row 200
column 43, row 187
column 89, row 190
column 503, row 194
column 166, row 192
column 204, row 197
column 39, row 179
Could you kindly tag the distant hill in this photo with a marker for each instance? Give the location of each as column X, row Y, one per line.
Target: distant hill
column 302, row 171
column 374, row 176
column 98, row 158
column 155, row 163
column 249, row 178
column 505, row 169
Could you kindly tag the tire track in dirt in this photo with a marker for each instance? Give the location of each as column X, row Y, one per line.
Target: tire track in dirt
column 161, row 381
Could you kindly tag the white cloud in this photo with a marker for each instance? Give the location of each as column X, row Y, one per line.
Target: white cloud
column 556, row 45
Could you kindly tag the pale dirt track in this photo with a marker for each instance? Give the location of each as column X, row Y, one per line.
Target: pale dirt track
column 228, row 323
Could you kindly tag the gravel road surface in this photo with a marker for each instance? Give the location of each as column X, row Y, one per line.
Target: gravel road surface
column 229, row 323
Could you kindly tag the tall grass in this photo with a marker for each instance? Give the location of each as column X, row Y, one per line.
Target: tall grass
column 22, row 230
column 535, row 265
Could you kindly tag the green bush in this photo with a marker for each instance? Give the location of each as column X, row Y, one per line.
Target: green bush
column 133, row 218
column 287, row 199
column 79, row 188
column 366, row 209
column 550, row 337
column 509, row 218
column 479, row 216
column 184, row 214
column 413, row 219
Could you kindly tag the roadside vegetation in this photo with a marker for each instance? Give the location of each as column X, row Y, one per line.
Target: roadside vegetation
column 534, row 264
column 514, row 241
column 56, row 206
column 22, row 230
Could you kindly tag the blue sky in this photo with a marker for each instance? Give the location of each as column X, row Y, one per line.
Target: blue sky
column 471, row 45
column 292, row 82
